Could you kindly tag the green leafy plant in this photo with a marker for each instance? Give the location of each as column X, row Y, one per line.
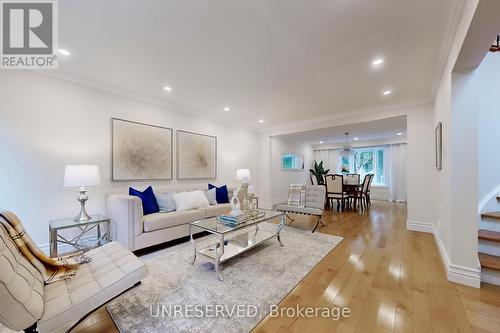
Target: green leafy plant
column 319, row 172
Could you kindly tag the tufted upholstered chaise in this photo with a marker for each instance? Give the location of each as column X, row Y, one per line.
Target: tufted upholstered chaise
column 314, row 204
column 56, row 307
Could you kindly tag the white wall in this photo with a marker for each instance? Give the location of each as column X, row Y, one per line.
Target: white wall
column 46, row 123
column 488, row 121
column 420, row 166
column 282, row 179
column 456, row 184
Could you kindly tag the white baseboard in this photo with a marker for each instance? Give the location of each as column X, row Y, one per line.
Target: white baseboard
column 455, row 273
column 419, row 226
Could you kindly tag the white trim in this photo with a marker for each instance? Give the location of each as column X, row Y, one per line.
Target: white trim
column 347, row 118
column 490, row 195
column 455, row 273
column 128, row 93
column 364, row 144
column 447, row 46
column 419, row 226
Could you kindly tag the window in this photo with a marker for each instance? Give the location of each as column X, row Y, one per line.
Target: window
column 291, row 161
column 365, row 161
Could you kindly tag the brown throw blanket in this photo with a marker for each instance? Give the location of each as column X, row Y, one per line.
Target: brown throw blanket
column 52, row 269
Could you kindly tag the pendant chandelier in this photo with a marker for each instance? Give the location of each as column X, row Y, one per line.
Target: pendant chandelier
column 346, row 150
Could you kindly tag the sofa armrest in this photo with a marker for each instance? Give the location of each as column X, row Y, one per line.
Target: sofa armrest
column 125, row 212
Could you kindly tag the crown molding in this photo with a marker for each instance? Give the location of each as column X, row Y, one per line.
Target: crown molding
column 127, row 93
column 363, row 144
column 352, row 117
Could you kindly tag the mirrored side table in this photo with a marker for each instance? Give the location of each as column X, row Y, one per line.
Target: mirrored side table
column 80, row 241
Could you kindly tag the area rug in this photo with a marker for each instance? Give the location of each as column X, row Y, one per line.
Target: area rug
column 180, row 297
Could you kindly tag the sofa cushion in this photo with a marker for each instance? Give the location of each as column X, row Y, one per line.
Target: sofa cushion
column 160, row 221
column 112, row 270
column 166, row 202
column 211, row 196
column 149, row 203
column 190, row 200
column 221, row 193
column 216, row 210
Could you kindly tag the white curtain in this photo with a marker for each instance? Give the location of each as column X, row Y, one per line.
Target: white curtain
column 397, row 173
column 330, row 158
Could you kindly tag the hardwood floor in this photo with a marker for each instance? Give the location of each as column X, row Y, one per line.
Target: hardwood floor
column 391, row 279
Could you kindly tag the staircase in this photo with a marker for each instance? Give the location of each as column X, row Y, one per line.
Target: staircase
column 489, row 247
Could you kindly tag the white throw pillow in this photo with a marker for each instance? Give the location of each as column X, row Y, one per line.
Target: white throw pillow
column 190, row 200
column 166, row 202
column 211, row 196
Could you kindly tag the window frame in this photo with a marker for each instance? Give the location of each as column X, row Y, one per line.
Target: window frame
column 375, row 162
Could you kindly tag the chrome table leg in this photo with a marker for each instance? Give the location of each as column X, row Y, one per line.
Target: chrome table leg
column 219, row 252
column 191, row 240
column 280, row 227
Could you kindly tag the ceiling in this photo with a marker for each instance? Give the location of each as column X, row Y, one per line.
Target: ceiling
column 281, row 61
column 367, row 131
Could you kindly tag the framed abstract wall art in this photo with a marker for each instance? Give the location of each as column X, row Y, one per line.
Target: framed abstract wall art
column 196, row 156
column 140, row 151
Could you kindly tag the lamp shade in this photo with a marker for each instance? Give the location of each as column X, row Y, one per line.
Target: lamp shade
column 243, row 174
column 81, row 175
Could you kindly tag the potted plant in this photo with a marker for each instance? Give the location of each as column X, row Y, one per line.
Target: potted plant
column 319, row 172
column 344, row 170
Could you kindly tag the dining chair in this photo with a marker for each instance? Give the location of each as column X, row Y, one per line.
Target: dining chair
column 314, row 180
column 365, row 201
column 352, row 178
column 369, row 200
column 335, row 190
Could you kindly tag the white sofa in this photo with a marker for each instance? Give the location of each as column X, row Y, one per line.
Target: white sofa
column 136, row 231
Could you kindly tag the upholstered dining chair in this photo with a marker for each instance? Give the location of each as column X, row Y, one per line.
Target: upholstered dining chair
column 368, row 198
column 365, row 192
column 314, row 180
column 352, row 178
column 335, row 190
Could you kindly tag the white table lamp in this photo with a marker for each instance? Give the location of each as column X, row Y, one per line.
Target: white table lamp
column 80, row 176
column 243, row 175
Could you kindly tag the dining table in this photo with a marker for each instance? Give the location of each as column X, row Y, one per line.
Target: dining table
column 353, row 189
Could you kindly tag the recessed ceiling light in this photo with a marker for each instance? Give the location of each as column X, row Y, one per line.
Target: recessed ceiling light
column 378, row 62
column 387, row 92
column 64, row 52
column 261, row 121
column 356, row 139
column 399, row 133
column 321, row 142
column 167, row 88
column 227, row 108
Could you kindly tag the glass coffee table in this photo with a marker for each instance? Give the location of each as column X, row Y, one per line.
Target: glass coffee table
column 231, row 241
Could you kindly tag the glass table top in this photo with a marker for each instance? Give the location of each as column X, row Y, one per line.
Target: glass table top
column 71, row 223
column 214, row 226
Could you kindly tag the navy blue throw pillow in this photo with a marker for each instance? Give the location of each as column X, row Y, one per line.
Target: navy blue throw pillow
column 149, row 203
column 220, row 193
